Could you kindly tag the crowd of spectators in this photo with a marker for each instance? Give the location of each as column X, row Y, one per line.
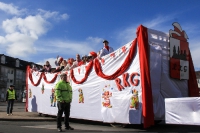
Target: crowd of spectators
column 70, row 63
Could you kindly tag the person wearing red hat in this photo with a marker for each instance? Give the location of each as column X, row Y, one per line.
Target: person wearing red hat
column 106, row 49
column 58, row 64
column 91, row 56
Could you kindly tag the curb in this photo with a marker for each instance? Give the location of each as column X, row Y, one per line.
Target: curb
column 6, row 119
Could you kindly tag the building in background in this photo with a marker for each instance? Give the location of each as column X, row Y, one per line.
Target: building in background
column 13, row 72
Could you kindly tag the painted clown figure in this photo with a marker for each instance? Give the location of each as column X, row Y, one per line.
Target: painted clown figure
column 106, row 97
column 81, row 97
column 30, row 93
column 53, row 98
column 134, row 99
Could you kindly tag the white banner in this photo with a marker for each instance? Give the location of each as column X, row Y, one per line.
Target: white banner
column 184, row 111
column 98, row 99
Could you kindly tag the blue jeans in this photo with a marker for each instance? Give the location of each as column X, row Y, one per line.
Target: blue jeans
column 10, row 106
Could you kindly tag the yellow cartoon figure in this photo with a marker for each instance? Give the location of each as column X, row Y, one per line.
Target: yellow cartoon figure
column 81, row 97
column 106, row 97
column 30, row 94
column 134, row 99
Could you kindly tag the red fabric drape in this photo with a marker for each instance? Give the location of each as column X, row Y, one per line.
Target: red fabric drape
column 122, row 69
column 27, row 73
column 51, row 81
column 42, row 75
column 88, row 70
column 147, row 100
column 193, row 90
column 31, row 79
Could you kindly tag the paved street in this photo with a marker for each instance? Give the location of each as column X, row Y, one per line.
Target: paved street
column 27, row 122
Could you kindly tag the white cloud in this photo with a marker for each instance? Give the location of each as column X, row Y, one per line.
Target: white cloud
column 158, row 21
column 10, row 9
column 94, row 40
column 47, row 14
column 51, row 61
column 33, row 26
column 55, row 15
column 127, row 34
column 19, row 45
column 2, row 40
column 22, row 33
column 65, row 47
column 64, row 16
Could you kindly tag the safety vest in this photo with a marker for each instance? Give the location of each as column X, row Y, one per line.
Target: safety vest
column 11, row 94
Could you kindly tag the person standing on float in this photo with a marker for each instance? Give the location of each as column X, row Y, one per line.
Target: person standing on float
column 106, row 49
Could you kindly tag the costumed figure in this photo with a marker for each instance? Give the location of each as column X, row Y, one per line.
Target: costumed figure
column 53, row 98
column 134, row 99
column 106, row 96
column 42, row 89
column 81, row 97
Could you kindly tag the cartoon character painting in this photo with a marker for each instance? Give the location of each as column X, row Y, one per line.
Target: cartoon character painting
column 42, row 89
column 106, row 99
column 53, row 98
column 81, row 97
column 134, row 100
column 30, row 94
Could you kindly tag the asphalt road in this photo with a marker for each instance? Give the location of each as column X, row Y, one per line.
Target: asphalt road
column 50, row 127
column 14, row 126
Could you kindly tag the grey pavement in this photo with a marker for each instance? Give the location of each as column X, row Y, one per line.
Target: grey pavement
column 46, row 122
column 19, row 113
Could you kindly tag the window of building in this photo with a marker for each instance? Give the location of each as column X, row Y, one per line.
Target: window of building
column 18, row 83
column 3, row 59
column 12, row 72
column 11, row 81
column 19, row 74
column 17, row 63
column 4, row 71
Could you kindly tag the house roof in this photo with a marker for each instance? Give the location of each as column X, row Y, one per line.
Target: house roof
column 11, row 62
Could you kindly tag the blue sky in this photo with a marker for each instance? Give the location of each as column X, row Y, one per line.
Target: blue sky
column 39, row 30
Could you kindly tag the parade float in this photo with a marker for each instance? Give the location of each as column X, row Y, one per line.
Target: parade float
column 128, row 86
